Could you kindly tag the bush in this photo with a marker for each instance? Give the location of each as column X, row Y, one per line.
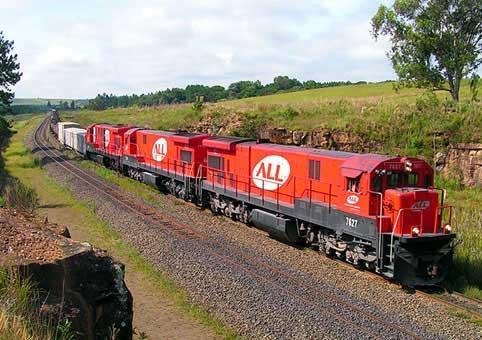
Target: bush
column 428, row 100
column 197, row 106
column 251, row 126
column 18, row 196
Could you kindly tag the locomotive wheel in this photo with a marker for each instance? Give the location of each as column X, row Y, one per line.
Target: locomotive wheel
column 212, row 207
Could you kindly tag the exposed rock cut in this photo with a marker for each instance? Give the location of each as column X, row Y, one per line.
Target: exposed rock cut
column 79, row 282
column 463, row 161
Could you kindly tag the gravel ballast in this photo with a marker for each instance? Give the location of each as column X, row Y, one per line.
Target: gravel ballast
column 267, row 289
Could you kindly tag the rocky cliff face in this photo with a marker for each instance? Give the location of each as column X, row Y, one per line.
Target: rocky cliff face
column 79, row 283
column 322, row 138
column 463, row 161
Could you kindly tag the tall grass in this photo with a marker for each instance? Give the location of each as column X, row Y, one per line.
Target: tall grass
column 18, row 196
column 20, row 316
column 466, row 273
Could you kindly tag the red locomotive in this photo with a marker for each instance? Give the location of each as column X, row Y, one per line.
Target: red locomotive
column 374, row 211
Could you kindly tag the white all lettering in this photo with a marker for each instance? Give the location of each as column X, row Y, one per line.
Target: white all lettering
column 159, row 149
column 271, row 172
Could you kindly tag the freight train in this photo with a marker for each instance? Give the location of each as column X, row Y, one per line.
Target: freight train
column 376, row 212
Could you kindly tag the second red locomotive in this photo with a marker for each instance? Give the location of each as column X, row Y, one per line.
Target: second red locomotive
column 375, row 211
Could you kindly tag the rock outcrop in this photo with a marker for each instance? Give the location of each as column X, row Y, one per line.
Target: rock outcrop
column 463, row 161
column 78, row 282
column 320, row 138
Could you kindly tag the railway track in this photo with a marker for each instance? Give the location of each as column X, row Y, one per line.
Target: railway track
column 328, row 303
column 469, row 306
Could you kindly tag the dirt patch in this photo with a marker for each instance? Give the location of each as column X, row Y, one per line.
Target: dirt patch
column 23, row 239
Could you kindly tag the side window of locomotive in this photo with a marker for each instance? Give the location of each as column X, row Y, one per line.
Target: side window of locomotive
column 353, row 184
column 412, row 180
column 314, row 169
column 186, row 156
column 376, row 184
column 428, row 181
column 216, row 162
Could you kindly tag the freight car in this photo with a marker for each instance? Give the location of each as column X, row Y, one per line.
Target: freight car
column 74, row 138
column 61, row 126
column 377, row 212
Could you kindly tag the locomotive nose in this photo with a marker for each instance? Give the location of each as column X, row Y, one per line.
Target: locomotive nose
column 413, row 211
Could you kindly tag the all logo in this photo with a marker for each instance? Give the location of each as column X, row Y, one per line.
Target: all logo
column 421, row 205
column 159, row 149
column 352, row 199
column 271, row 172
column 106, row 137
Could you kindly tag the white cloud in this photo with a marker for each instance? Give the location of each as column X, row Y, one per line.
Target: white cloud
column 141, row 46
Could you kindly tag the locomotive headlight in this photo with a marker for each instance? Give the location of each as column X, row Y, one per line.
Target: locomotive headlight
column 415, row 231
column 448, row 228
column 408, row 166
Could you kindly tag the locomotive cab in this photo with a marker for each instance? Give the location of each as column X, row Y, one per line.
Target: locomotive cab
column 416, row 239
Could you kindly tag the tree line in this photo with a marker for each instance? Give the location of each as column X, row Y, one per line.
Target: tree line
column 193, row 93
column 35, row 108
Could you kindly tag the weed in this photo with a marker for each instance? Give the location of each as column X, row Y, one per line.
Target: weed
column 20, row 317
column 463, row 315
column 18, row 196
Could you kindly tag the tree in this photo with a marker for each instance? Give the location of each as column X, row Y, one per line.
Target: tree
column 434, row 42
column 72, row 105
column 9, row 72
column 285, row 83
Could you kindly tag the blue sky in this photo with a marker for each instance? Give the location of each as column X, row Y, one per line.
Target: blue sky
column 76, row 49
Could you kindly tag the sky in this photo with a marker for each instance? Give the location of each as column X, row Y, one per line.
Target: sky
column 77, row 49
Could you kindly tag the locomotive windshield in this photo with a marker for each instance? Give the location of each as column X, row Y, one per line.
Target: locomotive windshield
column 398, row 179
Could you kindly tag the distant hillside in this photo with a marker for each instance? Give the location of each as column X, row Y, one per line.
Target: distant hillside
column 44, row 101
column 39, row 105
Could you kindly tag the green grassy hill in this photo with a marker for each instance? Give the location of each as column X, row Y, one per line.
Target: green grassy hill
column 403, row 122
column 364, row 91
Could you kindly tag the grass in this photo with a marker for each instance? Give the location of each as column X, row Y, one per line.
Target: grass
column 173, row 116
column 99, row 233
column 20, row 317
column 462, row 315
column 466, row 273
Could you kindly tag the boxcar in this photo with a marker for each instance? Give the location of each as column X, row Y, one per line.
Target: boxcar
column 64, row 125
column 75, row 139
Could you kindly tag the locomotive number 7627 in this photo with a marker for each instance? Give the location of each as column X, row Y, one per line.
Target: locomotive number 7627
column 351, row 222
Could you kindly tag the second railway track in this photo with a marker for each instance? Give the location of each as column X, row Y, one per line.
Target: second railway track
column 363, row 319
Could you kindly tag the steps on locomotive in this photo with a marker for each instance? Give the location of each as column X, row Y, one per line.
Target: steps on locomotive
column 388, row 263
